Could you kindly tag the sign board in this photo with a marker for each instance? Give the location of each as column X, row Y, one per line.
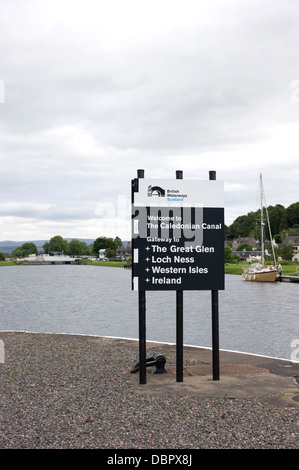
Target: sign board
column 177, row 234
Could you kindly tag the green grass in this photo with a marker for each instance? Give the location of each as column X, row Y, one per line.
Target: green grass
column 235, row 268
column 8, row 263
column 113, row 264
column 290, row 269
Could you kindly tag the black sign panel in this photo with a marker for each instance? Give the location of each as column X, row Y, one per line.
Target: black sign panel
column 178, row 248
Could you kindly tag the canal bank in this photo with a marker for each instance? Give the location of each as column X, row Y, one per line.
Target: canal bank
column 69, row 391
column 288, row 279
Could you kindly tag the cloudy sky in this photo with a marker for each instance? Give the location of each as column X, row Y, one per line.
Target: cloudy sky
column 92, row 90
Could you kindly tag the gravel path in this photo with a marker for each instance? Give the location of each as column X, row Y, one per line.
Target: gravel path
column 67, row 392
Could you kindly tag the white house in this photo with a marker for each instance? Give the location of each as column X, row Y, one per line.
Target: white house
column 102, row 256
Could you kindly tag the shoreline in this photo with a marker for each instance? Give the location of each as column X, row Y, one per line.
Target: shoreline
column 153, row 342
column 110, row 264
column 230, row 269
column 62, row 391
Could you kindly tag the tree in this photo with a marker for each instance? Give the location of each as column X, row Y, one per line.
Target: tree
column 110, row 253
column 24, row 250
column 76, row 247
column 118, row 241
column 17, row 253
column 46, row 246
column 229, row 257
column 277, row 238
column 57, row 243
column 292, row 214
column 30, row 248
column 244, row 247
column 279, row 217
column 243, row 225
column 286, row 251
column 2, row 256
column 276, row 216
column 102, row 243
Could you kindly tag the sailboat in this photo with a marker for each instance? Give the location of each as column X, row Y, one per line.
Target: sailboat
column 258, row 272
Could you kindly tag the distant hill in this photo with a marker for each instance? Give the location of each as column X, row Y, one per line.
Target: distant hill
column 7, row 246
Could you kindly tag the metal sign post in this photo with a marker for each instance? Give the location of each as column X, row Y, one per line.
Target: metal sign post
column 215, row 320
column 178, row 244
column 179, row 321
column 142, row 322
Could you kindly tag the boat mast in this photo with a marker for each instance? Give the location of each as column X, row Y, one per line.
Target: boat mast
column 269, row 226
column 262, row 219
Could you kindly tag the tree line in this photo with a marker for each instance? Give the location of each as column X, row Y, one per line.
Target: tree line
column 282, row 221
column 73, row 248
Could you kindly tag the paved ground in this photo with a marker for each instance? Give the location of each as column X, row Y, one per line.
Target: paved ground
column 78, row 392
column 270, row 381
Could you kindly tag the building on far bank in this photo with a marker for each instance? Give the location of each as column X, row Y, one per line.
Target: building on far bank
column 249, row 240
column 102, row 256
column 294, row 241
column 249, row 256
column 124, row 252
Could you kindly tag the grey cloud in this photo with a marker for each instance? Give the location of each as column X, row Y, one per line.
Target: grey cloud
column 84, row 107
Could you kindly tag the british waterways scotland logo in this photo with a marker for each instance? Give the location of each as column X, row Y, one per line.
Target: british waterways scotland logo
column 155, row 191
column 173, row 195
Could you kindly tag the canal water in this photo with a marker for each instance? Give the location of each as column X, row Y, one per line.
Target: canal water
column 258, row 318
